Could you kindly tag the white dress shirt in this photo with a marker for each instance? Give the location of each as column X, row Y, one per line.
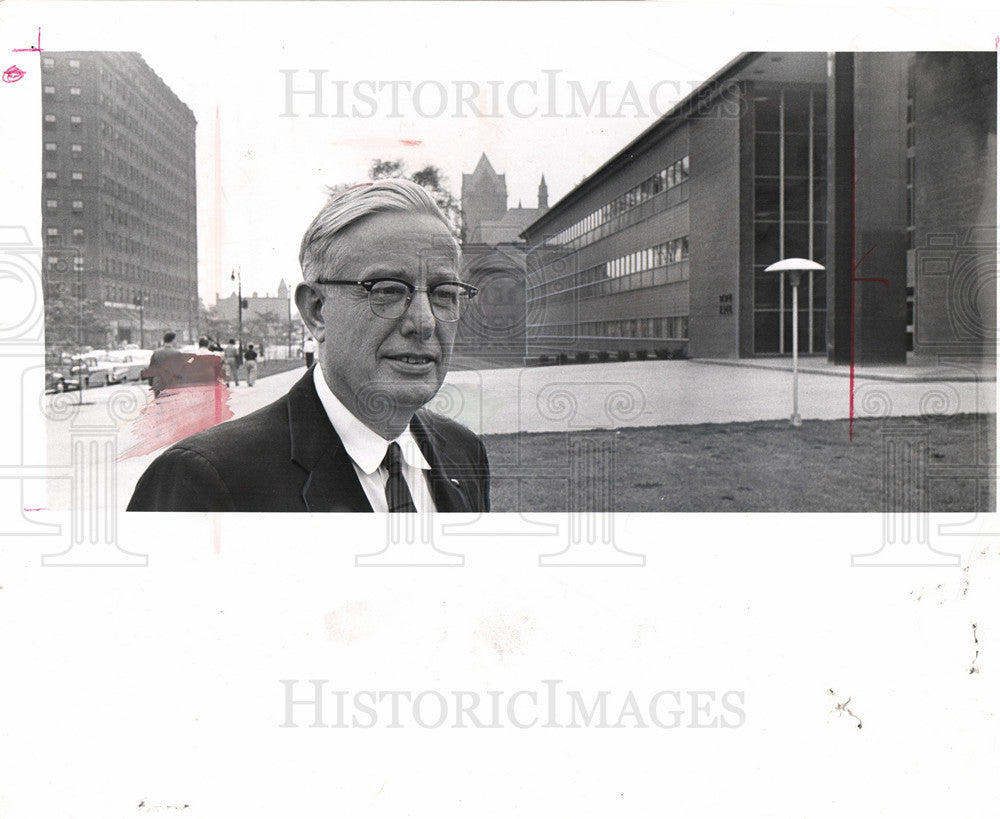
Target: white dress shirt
column 367, row 449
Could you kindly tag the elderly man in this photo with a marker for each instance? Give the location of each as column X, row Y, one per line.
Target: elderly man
column 382, row 297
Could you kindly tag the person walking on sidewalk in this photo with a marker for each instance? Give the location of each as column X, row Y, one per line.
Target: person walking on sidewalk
column 231, row 360
column 250, row 356
column 309, row 348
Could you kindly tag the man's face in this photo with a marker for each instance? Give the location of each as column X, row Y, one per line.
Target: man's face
column 368, row 360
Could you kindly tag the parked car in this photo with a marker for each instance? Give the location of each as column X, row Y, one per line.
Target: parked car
column 127, row 365
column 90, row 371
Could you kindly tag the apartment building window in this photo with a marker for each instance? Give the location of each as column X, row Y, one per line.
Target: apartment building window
column 75, row 121
column 51, row 204
column 51, row 146
column 77, row 204
column 50, row 120
column 74, row 65
column 76, row 148
column 74, row 91
column 78, row 264
column 77, row 176
column 49, row 89
column 52, row 237
column 51, row 176
column 77, row 236
column 48, row 62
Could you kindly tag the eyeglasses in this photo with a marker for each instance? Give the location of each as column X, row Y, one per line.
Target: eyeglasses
column 391, row 298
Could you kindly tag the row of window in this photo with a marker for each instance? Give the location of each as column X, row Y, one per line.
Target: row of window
column 50, row 62
column 149, row 156
column 59, row 264
column 53, row 204
column 75, row 147
column 53, row 237
column 643, row 268
column 50, row 90
column 128, row 295
column 140, row 250
column 126, row 270
column 53, row 176
column 661, row 181
column 75, row 121
column 673, row 328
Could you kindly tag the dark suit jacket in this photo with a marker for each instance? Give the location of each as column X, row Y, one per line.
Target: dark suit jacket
column 286, row 457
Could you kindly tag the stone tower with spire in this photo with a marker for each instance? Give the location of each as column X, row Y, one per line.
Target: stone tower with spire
column 484, row 197
column 543, row 194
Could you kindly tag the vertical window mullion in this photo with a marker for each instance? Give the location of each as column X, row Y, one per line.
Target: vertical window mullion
column 781, row 219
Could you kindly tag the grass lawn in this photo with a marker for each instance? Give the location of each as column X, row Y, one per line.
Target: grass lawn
column 764, row 466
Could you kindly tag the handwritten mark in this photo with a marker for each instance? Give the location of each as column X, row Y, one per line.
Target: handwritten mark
column 13, row 74
column 412, row 143
column 973, row 668
column 841, row 707
column 33, row 48
column 36, row 509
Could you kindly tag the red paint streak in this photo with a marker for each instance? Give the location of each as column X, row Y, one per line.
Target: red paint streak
column 216, row 534
column 13, row 74
column 33, row 48
column 36, row 509
column 413, row 143
column 855, row 279
column 176, row 414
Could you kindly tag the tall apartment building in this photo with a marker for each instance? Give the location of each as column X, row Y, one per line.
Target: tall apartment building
column 118, row 196
column 879, row 166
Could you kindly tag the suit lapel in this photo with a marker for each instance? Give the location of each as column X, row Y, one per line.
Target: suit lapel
column 446, row 489
column 329, row 482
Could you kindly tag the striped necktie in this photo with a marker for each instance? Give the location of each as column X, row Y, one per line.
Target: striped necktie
column 397, row 494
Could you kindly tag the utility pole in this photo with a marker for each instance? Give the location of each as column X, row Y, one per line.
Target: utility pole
column 237, row 277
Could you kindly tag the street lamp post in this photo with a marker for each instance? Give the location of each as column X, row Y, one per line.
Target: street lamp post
column 237, row 277
column 794, row 268
column 140, row 303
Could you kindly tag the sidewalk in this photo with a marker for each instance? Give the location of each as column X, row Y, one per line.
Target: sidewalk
column 956, row 371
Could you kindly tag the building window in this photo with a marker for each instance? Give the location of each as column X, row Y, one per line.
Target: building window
column 74, row 64
column 77, row 176
column 77, row 235
column 50, row 119
column 51, row 204
column 53, row 261
column 51, row 176
column 74, row 91
column 75, row 121
column 50, row 146
column 52, row 231
column 49, row 89
column 76, row 148
column 48, row 62
column 77, row 204
column 78, row 264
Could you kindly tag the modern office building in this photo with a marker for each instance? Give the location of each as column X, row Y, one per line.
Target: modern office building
column 118, row 196
column 880, row 167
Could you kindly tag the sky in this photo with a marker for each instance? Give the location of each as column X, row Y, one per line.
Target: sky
column 436, row 84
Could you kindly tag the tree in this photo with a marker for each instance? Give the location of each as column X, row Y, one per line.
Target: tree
column 72, row 322
column 430, row 177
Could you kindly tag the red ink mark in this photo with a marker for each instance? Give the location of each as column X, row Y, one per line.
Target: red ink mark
column 36, row 509
column 176, row 414
column 33, row 48
column 996, row 43
column 13, row 74
column 413, row 143
column 855, row 279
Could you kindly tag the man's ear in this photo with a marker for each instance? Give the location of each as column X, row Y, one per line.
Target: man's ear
column 311, row 309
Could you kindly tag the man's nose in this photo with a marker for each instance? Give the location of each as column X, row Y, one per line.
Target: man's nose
column 419, row 318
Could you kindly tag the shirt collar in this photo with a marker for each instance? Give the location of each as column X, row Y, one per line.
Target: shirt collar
column 365, row 446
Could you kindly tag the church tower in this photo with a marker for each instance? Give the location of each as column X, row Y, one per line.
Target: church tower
column 484, row 198
column 543, row 194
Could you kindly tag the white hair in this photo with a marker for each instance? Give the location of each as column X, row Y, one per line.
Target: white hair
column 356, row 203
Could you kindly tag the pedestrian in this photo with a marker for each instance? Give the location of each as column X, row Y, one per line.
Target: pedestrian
column 309, row 349
column 162, row 364
column 231, row 361
column 250, row 356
